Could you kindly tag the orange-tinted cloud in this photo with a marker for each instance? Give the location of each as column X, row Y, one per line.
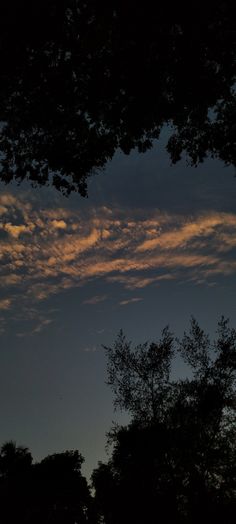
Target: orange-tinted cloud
column 16, row 230
column 181, row 235
column 59, row 224
column 51, row 251
column 5, row 303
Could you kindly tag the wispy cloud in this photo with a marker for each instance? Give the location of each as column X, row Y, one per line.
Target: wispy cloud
column 95, row 300
column 48, row 251
column 130, row 301
column 181, row 235
column 41, row 325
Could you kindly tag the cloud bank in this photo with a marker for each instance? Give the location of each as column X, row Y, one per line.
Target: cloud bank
column 47, row 251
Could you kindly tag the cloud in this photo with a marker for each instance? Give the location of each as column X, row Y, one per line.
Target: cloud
column 15, row 230
column 140, row 282
column 5, row 303
column 180, row 236
column 65, row 249
column 95, row 300
column 3, row 210
column 130, row 301
column 59, row 224
column 8, row 200
column 31, row 321
column 41, row 325
column 10, row 280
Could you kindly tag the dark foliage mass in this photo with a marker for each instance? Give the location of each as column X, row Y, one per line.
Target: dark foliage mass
column 81, row 79
column 176, row 460
column 174, row 463
column 51, row 491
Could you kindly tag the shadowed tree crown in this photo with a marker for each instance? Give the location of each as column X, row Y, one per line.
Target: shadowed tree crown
column 80, row 80
column 175, row 462
column 14, row 459
column 142, row 379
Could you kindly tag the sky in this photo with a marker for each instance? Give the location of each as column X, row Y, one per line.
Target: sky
column 152, row 245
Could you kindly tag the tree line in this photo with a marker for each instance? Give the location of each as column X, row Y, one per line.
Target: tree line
column 173, row 463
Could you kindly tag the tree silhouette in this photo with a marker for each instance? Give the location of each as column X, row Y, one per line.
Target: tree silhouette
column 140, row 378
column 62, row 492
column 51, row 491
column 14, row 459
column 176, row 463
column 15, row 475
column 80, row 80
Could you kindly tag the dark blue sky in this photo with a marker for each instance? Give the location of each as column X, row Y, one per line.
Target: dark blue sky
column 152, row 245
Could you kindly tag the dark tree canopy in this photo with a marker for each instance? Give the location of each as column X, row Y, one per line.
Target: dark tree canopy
column 81, row 79
column 174, row 463
column 50, row 491
column 176, row 460
column 140, row 378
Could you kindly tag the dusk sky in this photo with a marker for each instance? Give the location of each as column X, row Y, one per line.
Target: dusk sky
column 152, row 245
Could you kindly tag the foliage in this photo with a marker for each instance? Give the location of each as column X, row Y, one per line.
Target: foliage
column 14, row 459
column 52, row 490
column 176, row 463
column 80, row 80
column 140, row 378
